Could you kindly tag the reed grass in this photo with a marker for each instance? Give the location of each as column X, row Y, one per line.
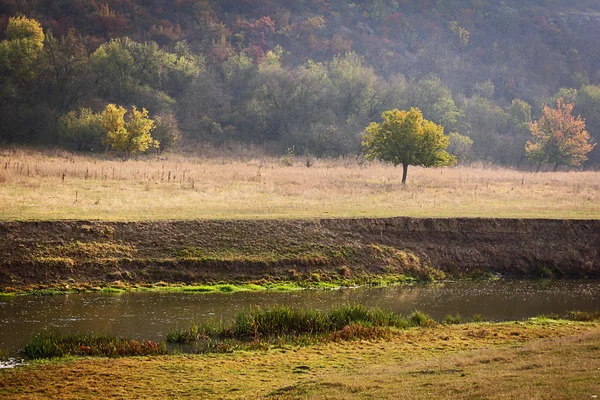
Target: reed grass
column 54, row 344
column 453, row 319
column 583, row 316
column 3, row 354
column 61, row 185
column 289, row 322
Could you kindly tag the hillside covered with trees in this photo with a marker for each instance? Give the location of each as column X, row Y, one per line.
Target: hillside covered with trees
column 303, row 74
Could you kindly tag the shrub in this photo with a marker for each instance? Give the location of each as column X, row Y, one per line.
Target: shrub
column 84, row 130
column 418, row 318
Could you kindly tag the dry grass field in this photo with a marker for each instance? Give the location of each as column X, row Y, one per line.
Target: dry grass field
column 61, row 185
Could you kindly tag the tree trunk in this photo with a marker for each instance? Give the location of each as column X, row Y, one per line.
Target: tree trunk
column 555, row 167
column 404, row 172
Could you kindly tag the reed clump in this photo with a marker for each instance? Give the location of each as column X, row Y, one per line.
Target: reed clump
column 54, row 344
column 453, row 319
column 583, row 316
column 294, row 323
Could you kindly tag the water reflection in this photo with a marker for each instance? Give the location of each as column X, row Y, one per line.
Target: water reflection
column 149, row 315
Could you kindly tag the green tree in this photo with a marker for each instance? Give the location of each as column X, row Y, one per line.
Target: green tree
column 405, row 137
column 141, row 73
column 559, row 138
column 20, row 52
column 519, row 120
column 166, row 132
column 569, row 96
column 84, row 129
column 434, row 100
column 238, row 72
column 485, row 89
column 20, row 67
column 359, row 91
column 129, row 136
column 460, row 146
column 519, row 116
column 289, row 99
column 588, row 104
column 485, row 121
column 67, row 70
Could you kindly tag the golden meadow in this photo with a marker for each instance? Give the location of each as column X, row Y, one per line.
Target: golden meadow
column 55, row 184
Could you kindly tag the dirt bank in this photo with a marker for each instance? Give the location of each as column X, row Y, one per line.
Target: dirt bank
column 92, row 252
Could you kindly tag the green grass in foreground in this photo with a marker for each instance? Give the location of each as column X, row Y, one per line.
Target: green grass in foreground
column 535, row 359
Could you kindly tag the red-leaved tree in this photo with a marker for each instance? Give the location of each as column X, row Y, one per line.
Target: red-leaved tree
column 559, row 138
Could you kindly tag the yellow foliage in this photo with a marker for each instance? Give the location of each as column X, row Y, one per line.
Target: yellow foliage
column 463, row 34
column 23, row 28
column 22, row 48
column 113, row 122
column 128, row 137
column 138, row 128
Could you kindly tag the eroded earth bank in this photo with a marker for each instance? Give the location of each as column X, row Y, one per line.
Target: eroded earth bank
column 55, row 254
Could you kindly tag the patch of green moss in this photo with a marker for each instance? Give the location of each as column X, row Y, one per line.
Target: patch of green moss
column 326, row 282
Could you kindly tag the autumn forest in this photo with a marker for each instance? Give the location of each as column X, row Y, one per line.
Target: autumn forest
column 302, row 76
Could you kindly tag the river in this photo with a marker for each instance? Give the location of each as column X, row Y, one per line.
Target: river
column 150, row 315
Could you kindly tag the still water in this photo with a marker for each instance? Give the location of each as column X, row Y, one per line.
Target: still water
column 149, row 315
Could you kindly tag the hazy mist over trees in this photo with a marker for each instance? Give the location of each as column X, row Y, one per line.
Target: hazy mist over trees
column 307, row 74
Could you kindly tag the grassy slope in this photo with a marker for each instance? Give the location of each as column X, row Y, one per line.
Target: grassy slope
column 33, row 187
column 505, row 360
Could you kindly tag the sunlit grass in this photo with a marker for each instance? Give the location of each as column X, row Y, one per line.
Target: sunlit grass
column 545, row 359
column 60, row 185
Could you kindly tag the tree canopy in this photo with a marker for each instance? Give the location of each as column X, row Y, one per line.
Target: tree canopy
column 406, row 138
column 559, row 138
column 309, row 74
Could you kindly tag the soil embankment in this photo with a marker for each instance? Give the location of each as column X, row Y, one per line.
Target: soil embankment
column 55, row 253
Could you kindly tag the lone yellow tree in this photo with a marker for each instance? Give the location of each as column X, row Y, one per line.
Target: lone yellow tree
column 131, row 136
column 405, row 137
column 559, row 138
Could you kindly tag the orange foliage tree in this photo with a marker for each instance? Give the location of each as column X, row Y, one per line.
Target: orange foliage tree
column 559, row 138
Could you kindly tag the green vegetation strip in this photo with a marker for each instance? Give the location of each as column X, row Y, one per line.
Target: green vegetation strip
column 313, row 282
column 253, row 329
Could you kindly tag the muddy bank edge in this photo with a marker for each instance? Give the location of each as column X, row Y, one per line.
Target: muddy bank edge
column 55, row 253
